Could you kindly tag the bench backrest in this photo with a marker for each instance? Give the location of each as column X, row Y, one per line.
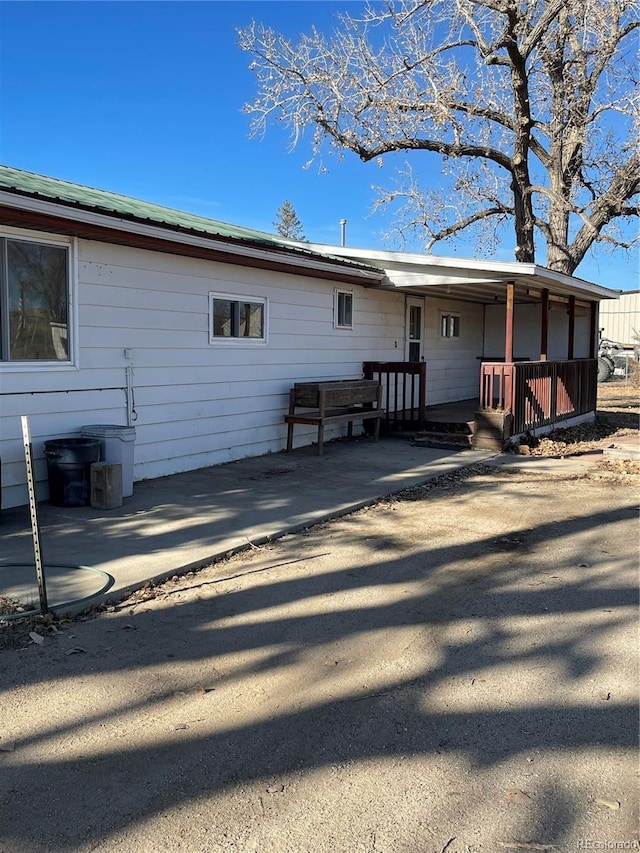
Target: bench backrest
column 345, row 392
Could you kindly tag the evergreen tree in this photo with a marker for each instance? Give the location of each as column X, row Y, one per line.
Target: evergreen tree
column 288, row 224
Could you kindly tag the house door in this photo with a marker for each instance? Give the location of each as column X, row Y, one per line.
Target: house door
column 414, row 329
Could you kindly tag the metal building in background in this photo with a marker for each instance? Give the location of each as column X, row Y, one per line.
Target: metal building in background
column 620, row 318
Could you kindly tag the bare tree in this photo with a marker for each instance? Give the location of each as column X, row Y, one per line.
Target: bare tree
column 287, row 222
column 531, row 105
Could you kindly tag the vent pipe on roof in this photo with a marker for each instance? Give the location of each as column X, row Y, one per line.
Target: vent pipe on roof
column 343, row 224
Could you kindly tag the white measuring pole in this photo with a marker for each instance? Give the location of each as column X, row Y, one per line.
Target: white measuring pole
column 33, row 508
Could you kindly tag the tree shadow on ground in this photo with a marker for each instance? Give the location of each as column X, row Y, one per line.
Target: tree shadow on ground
column 405, row 655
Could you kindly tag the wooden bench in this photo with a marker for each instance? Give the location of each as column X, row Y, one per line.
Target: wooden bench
column 334, row 403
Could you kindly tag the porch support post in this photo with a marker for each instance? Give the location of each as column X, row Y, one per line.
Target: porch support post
column 508, row 332
column 572, row 326
column 593, row 336
column 544, row 325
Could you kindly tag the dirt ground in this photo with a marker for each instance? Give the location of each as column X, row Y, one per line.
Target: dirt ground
column 451, row 671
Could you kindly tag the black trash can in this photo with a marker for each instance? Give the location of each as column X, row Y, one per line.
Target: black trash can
column 69, row 463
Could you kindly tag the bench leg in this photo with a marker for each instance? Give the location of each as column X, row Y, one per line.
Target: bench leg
column 376, row 430
column 350, row 429
column 289, row 437
column 320, row 439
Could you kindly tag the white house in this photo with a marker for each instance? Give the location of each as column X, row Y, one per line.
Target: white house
column 115, row 311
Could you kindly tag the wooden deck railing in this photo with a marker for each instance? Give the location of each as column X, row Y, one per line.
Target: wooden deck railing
column 496, row 385
column 539, row 393
column 404, row 391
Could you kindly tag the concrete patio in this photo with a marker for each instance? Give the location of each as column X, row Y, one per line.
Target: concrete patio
column 182, row 522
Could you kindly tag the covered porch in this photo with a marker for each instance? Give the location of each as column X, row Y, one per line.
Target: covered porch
column 516, row 343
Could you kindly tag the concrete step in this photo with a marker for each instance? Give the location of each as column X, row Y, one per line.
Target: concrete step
column 444, row 439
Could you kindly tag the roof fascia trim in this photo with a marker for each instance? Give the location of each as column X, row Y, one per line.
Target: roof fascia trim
column 501, row 271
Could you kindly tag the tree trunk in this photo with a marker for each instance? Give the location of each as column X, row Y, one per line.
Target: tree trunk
column 521, row 180
column 559, row 256
column 523, row 219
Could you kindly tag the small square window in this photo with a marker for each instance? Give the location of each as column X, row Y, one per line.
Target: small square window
column 449, row 326
column 343, row 309
column 236, row 318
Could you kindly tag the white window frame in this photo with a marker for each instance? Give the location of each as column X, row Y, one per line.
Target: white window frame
column 71, row 245
column 452, row 321
column 218, row 340
column 339, row 292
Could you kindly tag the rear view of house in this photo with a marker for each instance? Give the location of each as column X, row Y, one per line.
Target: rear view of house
column 115, row 311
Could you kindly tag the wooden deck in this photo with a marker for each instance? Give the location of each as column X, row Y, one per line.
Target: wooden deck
column 459, row 412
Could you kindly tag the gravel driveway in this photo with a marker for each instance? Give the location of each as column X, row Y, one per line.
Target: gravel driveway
column 454, row 671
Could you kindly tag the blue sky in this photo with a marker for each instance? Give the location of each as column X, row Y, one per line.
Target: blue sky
column 145, row 99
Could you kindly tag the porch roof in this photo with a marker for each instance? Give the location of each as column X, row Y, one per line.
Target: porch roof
column 470, row 280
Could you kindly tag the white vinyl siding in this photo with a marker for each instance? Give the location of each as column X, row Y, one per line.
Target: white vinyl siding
column 526, row 332
column 195, row 404
column 453, row 364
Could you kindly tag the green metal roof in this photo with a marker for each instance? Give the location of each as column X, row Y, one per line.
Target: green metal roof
column 88, row 198
column 32, row 185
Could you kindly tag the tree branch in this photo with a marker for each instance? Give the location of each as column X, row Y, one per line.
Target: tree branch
column 450, row 149
column 607, row 207
column 514, row 96
column 451, row 230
